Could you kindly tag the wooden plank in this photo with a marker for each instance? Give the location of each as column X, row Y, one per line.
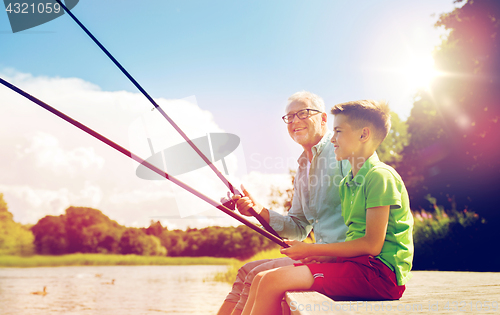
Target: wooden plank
column 428, row 292
column 312, row 303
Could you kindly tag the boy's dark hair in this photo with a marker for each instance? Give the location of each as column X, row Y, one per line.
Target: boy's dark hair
column 367, row 112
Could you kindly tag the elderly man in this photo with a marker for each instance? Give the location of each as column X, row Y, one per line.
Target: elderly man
column 316, row 202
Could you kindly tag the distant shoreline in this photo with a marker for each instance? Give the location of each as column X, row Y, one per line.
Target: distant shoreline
column 9, row 261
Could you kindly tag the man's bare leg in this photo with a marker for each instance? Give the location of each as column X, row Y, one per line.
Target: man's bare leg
column 234, row 296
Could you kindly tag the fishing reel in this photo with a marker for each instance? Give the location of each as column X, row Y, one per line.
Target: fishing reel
column 228, row 202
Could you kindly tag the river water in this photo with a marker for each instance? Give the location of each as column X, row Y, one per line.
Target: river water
column 136, row 290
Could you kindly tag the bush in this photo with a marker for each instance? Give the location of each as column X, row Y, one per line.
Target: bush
column 135, row 241
column 453, row 240
column 15, row 239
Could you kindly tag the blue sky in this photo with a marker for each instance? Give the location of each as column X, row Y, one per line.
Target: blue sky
column 239, row 59
column 236, row 57
column 230, row 51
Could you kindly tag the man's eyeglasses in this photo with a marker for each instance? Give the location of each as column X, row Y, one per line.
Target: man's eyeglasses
column 302, row 114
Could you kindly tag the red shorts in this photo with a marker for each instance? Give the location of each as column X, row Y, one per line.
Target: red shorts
column 356, row 278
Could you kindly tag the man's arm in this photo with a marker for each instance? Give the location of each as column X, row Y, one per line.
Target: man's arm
column 294, row 225
column 371, row 243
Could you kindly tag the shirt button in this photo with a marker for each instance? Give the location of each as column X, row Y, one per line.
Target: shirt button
column 351, row 202
column 321, row 240
column 317, row 221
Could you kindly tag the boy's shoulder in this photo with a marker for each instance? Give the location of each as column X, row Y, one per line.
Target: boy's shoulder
column 384, row 186
column 380, row 168
column 373, row 173
column 382, row 175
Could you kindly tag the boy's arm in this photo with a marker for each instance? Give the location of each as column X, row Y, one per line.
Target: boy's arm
column 377, row 219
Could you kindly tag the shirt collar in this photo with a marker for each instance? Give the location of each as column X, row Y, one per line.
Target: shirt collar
column 317, row 148
column 360, row 176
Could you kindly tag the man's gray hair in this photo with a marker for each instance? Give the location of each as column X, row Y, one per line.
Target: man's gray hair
column 314, row 101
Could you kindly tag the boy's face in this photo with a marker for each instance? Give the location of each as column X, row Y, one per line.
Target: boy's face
column 345, row 138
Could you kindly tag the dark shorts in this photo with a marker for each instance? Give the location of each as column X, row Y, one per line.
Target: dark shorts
column 356, row 278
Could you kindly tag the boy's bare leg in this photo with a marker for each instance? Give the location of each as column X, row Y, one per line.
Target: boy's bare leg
column 272, row 264
column 253, row 292
column 236, row 312
column 271, row 285
column 226, row 308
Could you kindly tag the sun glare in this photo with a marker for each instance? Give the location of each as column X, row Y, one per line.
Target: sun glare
column 420, row 72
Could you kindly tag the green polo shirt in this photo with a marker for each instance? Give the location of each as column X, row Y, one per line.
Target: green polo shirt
column 377, row 184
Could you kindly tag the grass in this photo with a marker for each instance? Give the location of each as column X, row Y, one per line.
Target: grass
column 230, row 275
column 107, row 260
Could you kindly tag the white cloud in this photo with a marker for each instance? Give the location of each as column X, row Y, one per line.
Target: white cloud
column 259, row 185
column 138, row 196
column 47, row 164
column 29, row 204
column 48, row 154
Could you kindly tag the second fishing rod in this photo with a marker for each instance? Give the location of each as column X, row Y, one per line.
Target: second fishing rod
column 229, row 203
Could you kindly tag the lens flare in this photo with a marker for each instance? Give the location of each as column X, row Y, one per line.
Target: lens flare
column 420, row 72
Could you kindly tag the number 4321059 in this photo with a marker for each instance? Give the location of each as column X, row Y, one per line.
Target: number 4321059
column 32, row 8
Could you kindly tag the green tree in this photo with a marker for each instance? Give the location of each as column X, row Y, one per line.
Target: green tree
column 15, row 239
column 50, row 235
column 161, row 233
column 90, row 231
column 136, row 241
column 390, row 149
column 453, row 148
column 175, row 243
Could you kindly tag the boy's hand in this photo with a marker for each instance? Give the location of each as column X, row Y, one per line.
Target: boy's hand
column 244, row 203
column 318, row 259
column 297, row 250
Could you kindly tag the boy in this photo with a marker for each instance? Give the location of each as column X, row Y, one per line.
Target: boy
column 375, row 261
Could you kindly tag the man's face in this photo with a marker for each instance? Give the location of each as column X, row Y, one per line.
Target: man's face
column 306, row 132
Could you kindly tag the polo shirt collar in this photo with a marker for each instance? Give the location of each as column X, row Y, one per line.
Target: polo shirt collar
column 360, row 176
column 316, row 149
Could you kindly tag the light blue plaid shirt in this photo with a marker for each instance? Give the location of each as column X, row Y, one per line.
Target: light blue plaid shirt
column 316, row 201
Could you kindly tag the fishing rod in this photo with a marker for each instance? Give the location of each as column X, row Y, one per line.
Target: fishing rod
column 229, row 203
column 126, row 152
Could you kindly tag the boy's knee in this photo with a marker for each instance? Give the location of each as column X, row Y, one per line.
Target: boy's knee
column 259, row 276
column 269, row 277
column 267, row 284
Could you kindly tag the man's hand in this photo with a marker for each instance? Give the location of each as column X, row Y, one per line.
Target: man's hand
column 297, row 250
column 247, row 202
